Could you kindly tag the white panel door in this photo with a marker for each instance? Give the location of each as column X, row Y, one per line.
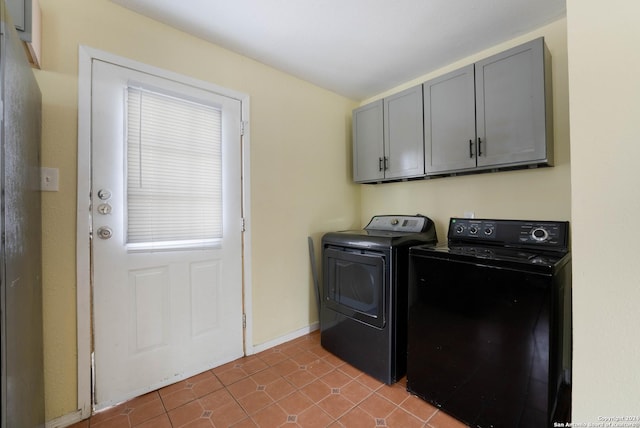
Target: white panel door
column 161, row 312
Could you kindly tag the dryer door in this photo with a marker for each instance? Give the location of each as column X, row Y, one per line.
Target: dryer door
column 354, row 284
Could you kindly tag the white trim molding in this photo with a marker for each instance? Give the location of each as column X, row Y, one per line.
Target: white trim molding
column 65, row 420
column 286, row 338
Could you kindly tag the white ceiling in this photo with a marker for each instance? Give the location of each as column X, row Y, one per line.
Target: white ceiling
column 357, row 48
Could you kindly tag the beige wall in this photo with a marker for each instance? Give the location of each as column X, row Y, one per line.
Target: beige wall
column 604, row 70
column 532, row 194
column 300, row 169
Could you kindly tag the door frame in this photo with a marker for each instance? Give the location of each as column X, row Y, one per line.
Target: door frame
column 86, row 55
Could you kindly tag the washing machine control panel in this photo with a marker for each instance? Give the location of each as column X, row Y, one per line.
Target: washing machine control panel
column 510, row 232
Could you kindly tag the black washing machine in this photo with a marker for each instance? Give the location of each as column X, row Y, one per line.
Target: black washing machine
column 363, row 310
column 489, row 337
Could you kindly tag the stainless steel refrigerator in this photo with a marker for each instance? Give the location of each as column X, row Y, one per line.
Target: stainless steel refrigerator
column 20, row 232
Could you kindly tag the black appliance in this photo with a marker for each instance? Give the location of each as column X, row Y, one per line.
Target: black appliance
column 363, row 310
column 489, row 337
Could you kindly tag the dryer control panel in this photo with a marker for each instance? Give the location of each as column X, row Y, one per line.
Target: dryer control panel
column 400, row 223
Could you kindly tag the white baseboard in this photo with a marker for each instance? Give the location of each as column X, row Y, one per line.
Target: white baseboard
column 282, row 339
column 65, row 420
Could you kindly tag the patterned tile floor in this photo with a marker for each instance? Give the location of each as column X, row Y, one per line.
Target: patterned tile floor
column 296, row 384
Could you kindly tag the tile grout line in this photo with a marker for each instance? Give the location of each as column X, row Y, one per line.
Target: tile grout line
column 298, row 356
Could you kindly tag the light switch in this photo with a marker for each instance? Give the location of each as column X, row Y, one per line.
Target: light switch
column 49, row 179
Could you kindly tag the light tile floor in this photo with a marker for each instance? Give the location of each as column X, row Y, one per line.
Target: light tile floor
column 296, row 384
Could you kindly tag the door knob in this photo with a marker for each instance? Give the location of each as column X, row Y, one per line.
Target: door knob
column 105, row 232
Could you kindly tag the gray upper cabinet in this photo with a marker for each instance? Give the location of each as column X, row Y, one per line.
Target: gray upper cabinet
column 450, row 122
column 388, row 141
column 368, row 143
column 20, row 11
column 403, row 134
column 26, row 17
column 512, row 107
column 501, row 118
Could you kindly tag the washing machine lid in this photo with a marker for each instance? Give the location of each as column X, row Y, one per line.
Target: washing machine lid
column 542, row 262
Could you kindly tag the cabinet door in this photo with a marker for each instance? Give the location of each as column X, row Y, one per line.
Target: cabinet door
column 20, row 11
column 17, row 11
column 510, row 106
column 368, row 143
column 404, row 134
column 450, row 122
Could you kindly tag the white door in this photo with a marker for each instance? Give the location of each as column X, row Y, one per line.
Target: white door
column 166, row 231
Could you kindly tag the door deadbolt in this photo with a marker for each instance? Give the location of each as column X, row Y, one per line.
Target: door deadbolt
column 105, row 232
column 104, row 194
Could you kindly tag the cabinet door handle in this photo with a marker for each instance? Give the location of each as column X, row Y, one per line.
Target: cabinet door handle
column 386, row 163
column 379, row 164
column 479, row 147
column 471, row 149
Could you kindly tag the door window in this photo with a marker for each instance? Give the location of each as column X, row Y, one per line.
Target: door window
column 174, row 171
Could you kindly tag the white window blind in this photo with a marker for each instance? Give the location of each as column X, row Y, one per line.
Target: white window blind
column 174, row 171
